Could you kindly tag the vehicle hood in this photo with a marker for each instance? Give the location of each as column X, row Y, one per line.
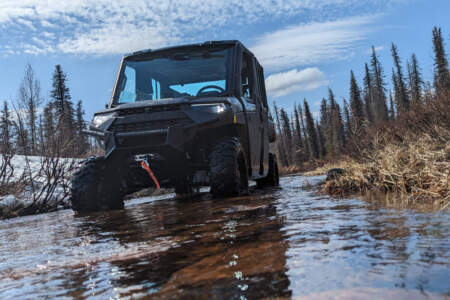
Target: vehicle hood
column 172, row 101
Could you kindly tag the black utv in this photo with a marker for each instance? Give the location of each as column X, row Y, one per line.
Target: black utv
column 181, row 117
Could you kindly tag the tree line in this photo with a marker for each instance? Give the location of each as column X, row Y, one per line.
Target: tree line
column 30, row 125
column 338, row 130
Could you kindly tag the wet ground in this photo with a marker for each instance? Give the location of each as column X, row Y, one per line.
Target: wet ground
column 287, row 242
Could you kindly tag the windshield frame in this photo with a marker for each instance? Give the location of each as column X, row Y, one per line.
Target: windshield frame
column 143, row 56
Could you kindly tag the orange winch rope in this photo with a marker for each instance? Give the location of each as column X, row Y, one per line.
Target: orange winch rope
column 146, row 167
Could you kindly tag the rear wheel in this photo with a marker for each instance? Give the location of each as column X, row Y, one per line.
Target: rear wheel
column 96, row 187
column 228, row 169
column 272, row 178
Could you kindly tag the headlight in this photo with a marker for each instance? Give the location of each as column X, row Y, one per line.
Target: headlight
column 100, row 119
column 216, row 108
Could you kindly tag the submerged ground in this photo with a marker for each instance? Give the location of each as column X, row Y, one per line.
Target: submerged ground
column 286, row 242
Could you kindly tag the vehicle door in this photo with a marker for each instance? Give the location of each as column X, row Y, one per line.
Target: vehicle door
column 248, row 93
column 263, row 114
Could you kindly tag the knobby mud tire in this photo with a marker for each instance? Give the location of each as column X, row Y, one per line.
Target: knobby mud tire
column 96, row 187
column 272, row 179
column 228, row 169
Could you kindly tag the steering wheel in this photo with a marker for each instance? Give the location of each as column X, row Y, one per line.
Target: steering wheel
column 201, row 91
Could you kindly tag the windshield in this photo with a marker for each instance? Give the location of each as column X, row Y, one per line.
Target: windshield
column 201, row 72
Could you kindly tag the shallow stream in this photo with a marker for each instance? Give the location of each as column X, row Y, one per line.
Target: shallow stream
column 285, row 242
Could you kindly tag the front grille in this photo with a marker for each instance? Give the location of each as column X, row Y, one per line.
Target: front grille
column 149, row 125
column 149, row 109
column 138, row 141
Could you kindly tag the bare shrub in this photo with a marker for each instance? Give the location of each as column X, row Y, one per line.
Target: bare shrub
column 45, row 178
column 6, row 174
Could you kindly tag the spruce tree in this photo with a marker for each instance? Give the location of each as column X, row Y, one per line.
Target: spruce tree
column 441, row 71
column 356, row 104
column 68, row 118
column 391, row 109
column 334, row 136
column 403, row 98
column 368, row 94
column 298, row 132
column 49, row 126
column 331, row 98
column 64, row 111
column 287, row 133
column 60, row 92
column 310, row 128
column 323, row 113
column 324, row 125
column 80, row 126
column 379, row 96
column 396, row 91
column 5, row 130
column 281, row 143
column 347, row 121
column 427, row 92
column 330, row 129
column 321, row 138
column 303, row 129
column 298, row 136
column 415, row 80
column 338, row 125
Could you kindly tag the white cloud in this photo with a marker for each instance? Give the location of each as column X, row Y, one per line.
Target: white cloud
column 33, row 49
column 48, row 35
column 284, row 83
column 48, row 24
column 111, row 27
column 311, row 43
column 26, row 23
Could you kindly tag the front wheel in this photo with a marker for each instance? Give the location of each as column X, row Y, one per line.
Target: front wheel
column 228, row 169
column 96, row 187
column 272, row 179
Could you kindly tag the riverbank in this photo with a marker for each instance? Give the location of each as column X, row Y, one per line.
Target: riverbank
column 416, row 168
column 34, row 184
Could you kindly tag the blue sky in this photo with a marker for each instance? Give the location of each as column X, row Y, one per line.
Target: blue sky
column 305, row 46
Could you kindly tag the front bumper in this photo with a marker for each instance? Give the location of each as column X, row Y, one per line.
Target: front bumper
column 166, row 141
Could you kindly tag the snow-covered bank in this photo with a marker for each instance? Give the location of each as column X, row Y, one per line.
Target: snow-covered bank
column 38, row 184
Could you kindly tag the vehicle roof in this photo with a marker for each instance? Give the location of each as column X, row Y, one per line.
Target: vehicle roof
column 207, row 43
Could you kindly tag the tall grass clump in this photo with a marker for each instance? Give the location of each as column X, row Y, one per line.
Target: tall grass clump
column 410, row 156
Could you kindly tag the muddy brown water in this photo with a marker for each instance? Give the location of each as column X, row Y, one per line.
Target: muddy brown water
column 286, row 242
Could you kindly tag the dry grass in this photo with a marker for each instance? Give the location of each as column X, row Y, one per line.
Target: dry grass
column 148, row 192
column 344, row 163
column 417, row 168
column 314, row 167
column 289, row 170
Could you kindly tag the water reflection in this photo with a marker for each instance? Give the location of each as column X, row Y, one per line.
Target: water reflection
column 201, row 247
column 284, row 243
